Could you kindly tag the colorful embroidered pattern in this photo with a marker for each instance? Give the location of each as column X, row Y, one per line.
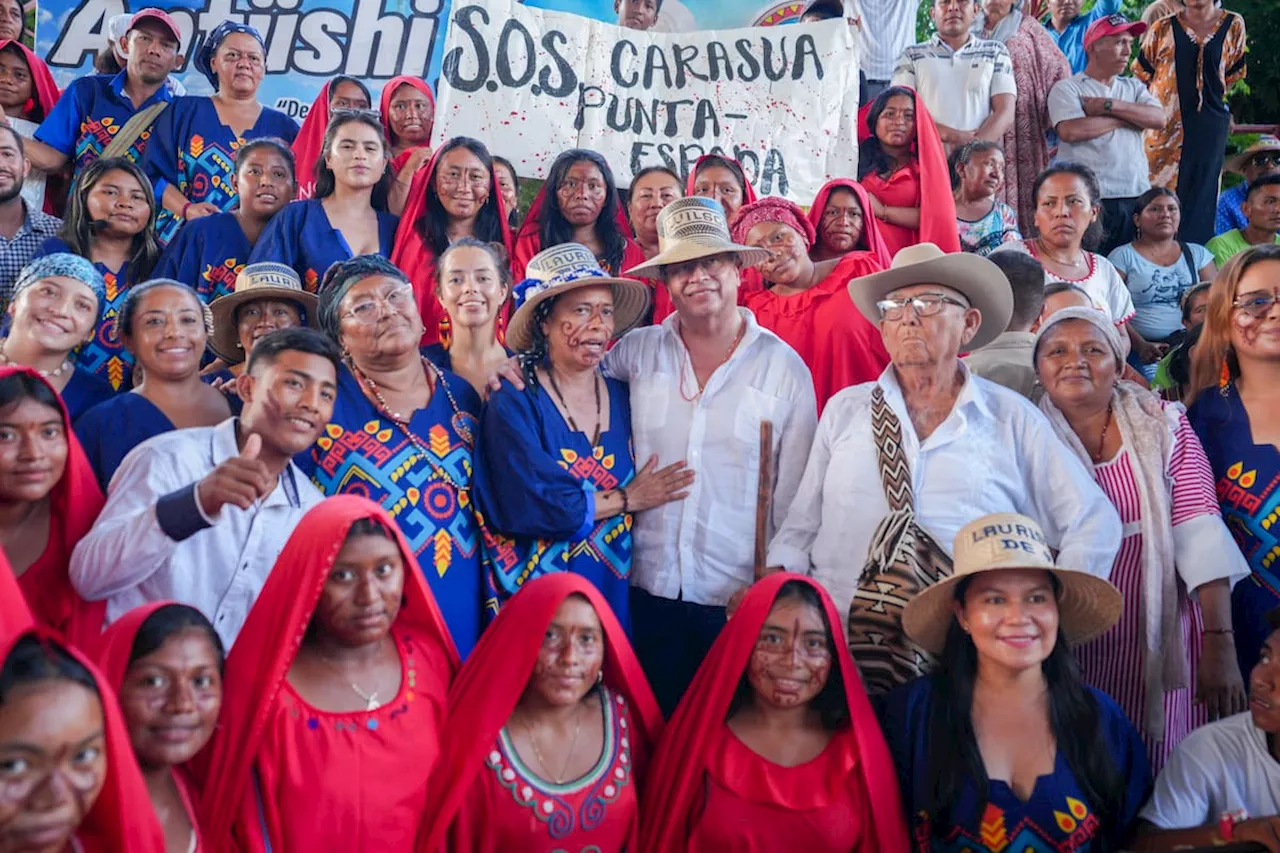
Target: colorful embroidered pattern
column 1073, row 832
column 357, row 721
column 96, row 134
column 219, row 279
column 1251, row 507
column 105, row 354
column 208, row 172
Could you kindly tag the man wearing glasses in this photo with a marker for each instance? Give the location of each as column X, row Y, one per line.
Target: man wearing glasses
column 1260, row 159
column 964, row 447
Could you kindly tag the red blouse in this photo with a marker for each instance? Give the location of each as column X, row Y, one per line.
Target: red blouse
column 901, row 189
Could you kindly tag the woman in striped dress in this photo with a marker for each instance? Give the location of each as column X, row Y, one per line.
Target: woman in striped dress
column 1170, row 662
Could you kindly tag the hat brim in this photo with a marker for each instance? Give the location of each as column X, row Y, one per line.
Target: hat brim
column 688, row 250
column 1088, row 607
column 225, row 335
column 979, row 280
column 630, row 305
column 1237, row 162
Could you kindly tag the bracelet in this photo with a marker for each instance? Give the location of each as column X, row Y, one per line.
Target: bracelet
column 185, row 207
column 1227, row 823
column 626, row 507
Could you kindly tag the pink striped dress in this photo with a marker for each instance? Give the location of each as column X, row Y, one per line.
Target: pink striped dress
column 1113, row 662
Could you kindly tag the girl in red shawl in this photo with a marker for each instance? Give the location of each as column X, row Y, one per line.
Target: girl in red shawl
column 50, row 498
column 408, row 113
column 455, row 196
column 27, row 94
column 903, row 166
column 774, row 748
column 723, row 179
column 807, row 304
column 843, row 223
column 165, row 662
column 579, row 203
column 70, row 781
column 550, row 724
column 340, row 93
column 339, row 677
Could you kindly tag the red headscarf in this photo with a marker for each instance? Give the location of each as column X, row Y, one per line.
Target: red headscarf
column 309, row 141
column 397, row 163
column 418, row 260
column 75, row 502
column 46, row 94
column 489, row 687
column 748, row 191
column 122, row 818
column 937, row 205
column 269, row 642
column 677, row 776
column 870, row 225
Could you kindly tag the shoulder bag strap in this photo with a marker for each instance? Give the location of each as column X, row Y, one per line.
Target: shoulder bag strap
column 137, row 125
column 1191, row 263
column 895, row 474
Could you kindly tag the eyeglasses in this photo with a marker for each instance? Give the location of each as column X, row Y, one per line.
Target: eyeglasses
column 1267, row 161
column 1256, row 305
column 366, row 311
column 924, row 306
column 714, row 265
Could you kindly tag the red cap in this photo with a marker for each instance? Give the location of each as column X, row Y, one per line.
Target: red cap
column 1112, row 25
column 159, row 16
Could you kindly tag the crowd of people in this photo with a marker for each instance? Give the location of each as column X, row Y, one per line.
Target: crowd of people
column 346, row 506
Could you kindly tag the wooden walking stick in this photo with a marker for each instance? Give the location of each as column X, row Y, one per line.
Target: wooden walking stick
column 764, row 497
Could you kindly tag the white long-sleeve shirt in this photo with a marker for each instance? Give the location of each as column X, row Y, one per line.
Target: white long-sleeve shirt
column 995, row 452
column 153, row 541
column 701, row 549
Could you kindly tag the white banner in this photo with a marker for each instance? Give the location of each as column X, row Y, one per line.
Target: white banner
column 532, row 83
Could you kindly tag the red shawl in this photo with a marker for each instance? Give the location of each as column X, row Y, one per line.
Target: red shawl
column 489, row 688
column 529, row 238
column 871, row 235
column 309, row 141
column 37, row 110
column 677, row 778
column 748, row 191
column 75, row 502
column 122, row 818
column 397, row 162
column 418, row 260
column 268, row 643
column 937, row 205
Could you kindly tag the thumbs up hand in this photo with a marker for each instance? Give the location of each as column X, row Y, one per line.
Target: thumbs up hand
column 240, row 481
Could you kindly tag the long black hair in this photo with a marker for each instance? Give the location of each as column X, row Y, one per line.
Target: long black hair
column 33, row 660
column 871, row 156
column 279, row 146
column 554, row 229
column 434, row 223
column 78, row 228
column 20, row 386
column 169, row 620
column 1092, row 237
column 346, row 78
column 513, row 216
column 325, row 180
column 1074, row 718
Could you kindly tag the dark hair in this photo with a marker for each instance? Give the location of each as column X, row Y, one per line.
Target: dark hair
column 369, row 527
column 555, row 229
column 17, row 139
column 277, row 145
column 960, row 157
column 433, row 224
column 34, row 659
column 1092, row 237
column 139, row 291
column 1180, row 357
column 1144, row 200
column 167, row 621
column 1190, row 294
column 1273, row 618
column 20, row 386
column 513, row 216
column 712, row 161
column 1264, row 181
column 1074, row 719
column 496, row 251
column 78, row 228
column 1053, row 288
column 539, row 349
column 871, row 156
column 325, row 179
column 294, row 339
column 1026, row 280
column 346, row 78
column 646, row 172
column 105, row 62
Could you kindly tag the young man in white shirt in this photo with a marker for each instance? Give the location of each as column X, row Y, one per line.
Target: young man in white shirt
column 1222, row 783
column 200, row 515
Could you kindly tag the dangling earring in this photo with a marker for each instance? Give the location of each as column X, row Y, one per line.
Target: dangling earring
column 600, row 676
column 1224, row 377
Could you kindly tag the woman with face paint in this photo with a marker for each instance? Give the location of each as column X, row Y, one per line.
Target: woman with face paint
column 843, row 223
column 408, row 108
column 551, row 724
column 555, row 474
column 339, row 679
column 775, row 747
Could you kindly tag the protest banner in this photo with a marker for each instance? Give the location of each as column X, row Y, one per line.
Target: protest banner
column 533, row 83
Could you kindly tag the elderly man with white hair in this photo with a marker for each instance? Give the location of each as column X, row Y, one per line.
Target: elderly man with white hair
column 899, row 465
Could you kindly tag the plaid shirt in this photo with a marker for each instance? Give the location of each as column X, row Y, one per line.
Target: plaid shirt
column 14, row 254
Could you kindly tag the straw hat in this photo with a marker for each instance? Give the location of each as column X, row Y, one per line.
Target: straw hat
column 692, row 228
column 1087, row 605
column 1237, row 163
column 256, row 281
column 981, row 282
column 560, row 269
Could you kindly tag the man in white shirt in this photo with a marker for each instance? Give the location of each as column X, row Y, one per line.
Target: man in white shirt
column 965, row 82
column 200, row 515
column 971, row 447
column 1100, row 115
column 890, row 27
column 1222, row 768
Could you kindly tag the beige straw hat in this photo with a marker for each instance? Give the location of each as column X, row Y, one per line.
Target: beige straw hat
column 1264, row 144
column 1087, row 605
column 267, row 280
column 692, row 228
column 567, row 267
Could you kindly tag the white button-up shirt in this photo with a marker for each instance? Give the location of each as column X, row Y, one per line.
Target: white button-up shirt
column 995, row 452
column 957, row 86
column 701, row 549
column 153, row 542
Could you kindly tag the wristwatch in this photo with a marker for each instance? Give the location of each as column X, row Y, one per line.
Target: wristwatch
column 1106, row 106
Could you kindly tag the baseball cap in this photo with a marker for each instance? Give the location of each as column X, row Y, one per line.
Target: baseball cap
column 1112, row 25
column 159, row 16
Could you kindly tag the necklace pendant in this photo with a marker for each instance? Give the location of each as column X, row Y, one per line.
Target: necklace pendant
column 372, row 704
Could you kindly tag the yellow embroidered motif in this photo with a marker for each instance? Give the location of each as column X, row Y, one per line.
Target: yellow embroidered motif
column 444, row 552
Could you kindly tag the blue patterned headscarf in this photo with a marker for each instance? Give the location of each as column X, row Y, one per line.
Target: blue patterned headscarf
column 65, row 265
column 213, row 41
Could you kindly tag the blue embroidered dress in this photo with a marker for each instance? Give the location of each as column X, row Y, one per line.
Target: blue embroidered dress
column 301, row 236
column 426, row 487
column 1058, row 816
column 192, row 149
column 1247, row 478
column 111, row 429
column 207, row 254
column 537, row 478
column 90, row 113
